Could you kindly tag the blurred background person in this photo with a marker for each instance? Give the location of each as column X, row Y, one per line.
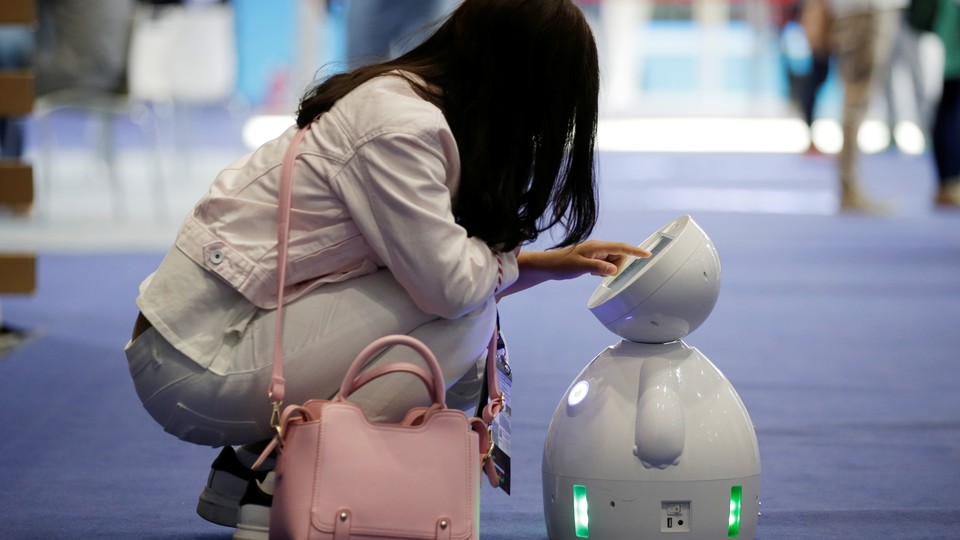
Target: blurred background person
column 942, row 17
column 82, row 44
column 946, row 127
column 16, row 51
column 815, row 18
column 378, row 30
column 862, row 35
column 623, row 24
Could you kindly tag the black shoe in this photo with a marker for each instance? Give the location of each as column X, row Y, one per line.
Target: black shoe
column 226, row 484
column 253, row 519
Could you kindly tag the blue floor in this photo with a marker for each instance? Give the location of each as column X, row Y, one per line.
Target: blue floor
column 840, row 332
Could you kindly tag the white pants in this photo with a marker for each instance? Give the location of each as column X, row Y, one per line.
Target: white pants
column 227, row 404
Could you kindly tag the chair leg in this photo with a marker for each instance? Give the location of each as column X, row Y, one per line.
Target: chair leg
column 106, row 152
column 46, row 164
column 146, row 119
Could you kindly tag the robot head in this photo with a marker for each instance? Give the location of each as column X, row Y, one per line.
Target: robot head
column 666, row 296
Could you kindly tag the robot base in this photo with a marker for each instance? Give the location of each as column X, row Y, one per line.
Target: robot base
column 621, row 510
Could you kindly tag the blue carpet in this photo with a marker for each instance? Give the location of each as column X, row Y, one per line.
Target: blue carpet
column 841, row 333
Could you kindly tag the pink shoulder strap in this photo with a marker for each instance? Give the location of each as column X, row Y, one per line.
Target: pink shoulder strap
column 277, row 382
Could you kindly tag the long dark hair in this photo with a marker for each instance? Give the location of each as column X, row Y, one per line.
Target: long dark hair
column 518, row 82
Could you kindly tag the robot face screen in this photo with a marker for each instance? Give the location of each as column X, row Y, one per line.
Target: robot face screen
column 639, row 264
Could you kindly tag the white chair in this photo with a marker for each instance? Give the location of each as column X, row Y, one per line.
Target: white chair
column 178, row 56
column 99, row 114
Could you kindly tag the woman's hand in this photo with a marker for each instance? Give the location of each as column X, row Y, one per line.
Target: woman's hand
column 595, row 257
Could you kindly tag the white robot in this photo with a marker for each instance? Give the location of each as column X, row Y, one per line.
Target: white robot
column 651, row 440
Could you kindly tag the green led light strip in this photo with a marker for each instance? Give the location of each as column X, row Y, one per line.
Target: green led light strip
column 580, row 518
column 733, row 525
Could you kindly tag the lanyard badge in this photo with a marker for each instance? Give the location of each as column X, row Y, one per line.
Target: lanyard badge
column 501, row 423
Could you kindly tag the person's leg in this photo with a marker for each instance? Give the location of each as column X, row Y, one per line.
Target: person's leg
column 855, row 50
column 882, row 105
column 227, row 403
column 819, row 69
column 11, row 138
column 16, row 52
column 946, row 144
column 191, row 402
column 622, row 25
column 323, row 333
column 458, row 345
column 809, row 90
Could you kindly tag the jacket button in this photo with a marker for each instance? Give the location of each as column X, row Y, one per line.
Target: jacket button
column 216, row 256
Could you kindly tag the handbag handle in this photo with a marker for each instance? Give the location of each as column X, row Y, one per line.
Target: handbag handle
column 353, row 380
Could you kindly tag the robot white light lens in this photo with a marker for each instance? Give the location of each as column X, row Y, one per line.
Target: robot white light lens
column 578, row 393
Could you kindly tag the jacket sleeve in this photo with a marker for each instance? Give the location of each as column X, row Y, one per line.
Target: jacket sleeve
column 397, row 188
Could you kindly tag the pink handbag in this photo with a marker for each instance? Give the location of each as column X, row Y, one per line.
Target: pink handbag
column 341, row 476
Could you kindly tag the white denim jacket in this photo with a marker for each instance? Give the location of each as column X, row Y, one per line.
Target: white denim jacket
column 372, row 188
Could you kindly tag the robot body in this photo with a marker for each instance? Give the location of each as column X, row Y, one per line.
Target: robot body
column 658, row 442
column 651, row 440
